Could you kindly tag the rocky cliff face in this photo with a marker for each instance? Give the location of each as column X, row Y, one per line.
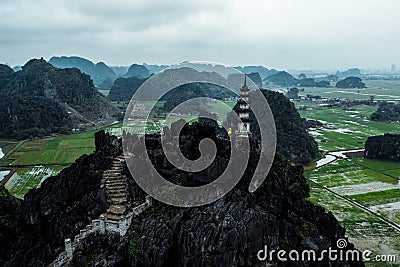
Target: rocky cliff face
column 41, row 99
column 386, row 147
column 228, row 232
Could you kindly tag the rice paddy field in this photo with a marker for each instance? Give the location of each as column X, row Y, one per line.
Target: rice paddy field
column 29, row 163
column 380, row 89
column 346, row 128
column 24, row 179
column 363, row 194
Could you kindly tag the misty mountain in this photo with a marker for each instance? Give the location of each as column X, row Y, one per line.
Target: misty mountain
column 136, row 70
column 155, row 68
column 263, row 71
column 237, row 78
column 350, row 72
column 120, row 70
column 285, row 79
column 99, row 72
column 281, row 78
column 329, row 78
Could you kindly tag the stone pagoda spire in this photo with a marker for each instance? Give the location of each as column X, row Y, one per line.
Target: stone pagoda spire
column 243, row 129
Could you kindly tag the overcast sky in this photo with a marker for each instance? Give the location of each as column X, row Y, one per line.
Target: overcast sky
column 284, row 34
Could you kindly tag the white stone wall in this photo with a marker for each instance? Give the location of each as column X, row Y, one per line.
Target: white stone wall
column 101, row 225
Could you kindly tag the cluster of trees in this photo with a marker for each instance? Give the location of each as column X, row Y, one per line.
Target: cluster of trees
column 387, row 112
column 386, row 147
column 283, row 78
column 350, row 82
column 293, row 93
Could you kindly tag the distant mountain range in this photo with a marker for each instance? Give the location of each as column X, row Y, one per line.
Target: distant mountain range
column 285, row 79
column 99, row 72
column 104, row 76
column 264, row 72
column 124, row 88
column 41, row 99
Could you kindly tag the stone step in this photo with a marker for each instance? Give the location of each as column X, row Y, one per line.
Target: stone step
column 111, row 216
column 117, row 195
column 114, row 177
column 116, row 209
column 114, row 174
column 119, row 201
column 121, row 189
column 116, row 189
column 116, row 184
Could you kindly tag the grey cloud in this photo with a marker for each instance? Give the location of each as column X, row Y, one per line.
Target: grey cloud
column 277, row 33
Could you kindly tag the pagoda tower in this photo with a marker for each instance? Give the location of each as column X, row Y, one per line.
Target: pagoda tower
column 243, row 129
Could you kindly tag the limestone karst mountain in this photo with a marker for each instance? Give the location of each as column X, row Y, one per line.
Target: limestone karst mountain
column 41, row 99
column 228, row 232
column 124, row 88
column 136, row 70
column 99, row 72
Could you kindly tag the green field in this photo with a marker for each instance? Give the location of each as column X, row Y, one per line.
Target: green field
column 54, row 150
column 365, row 182
column 38, row 159
column 373, row 184
column 380, row 89
column 63, row 149
column 365, row 230
column 346, row 128
column 26, row 178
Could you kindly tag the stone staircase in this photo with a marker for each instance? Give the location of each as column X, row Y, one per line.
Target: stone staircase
column 117, row 218
column 115, row 185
